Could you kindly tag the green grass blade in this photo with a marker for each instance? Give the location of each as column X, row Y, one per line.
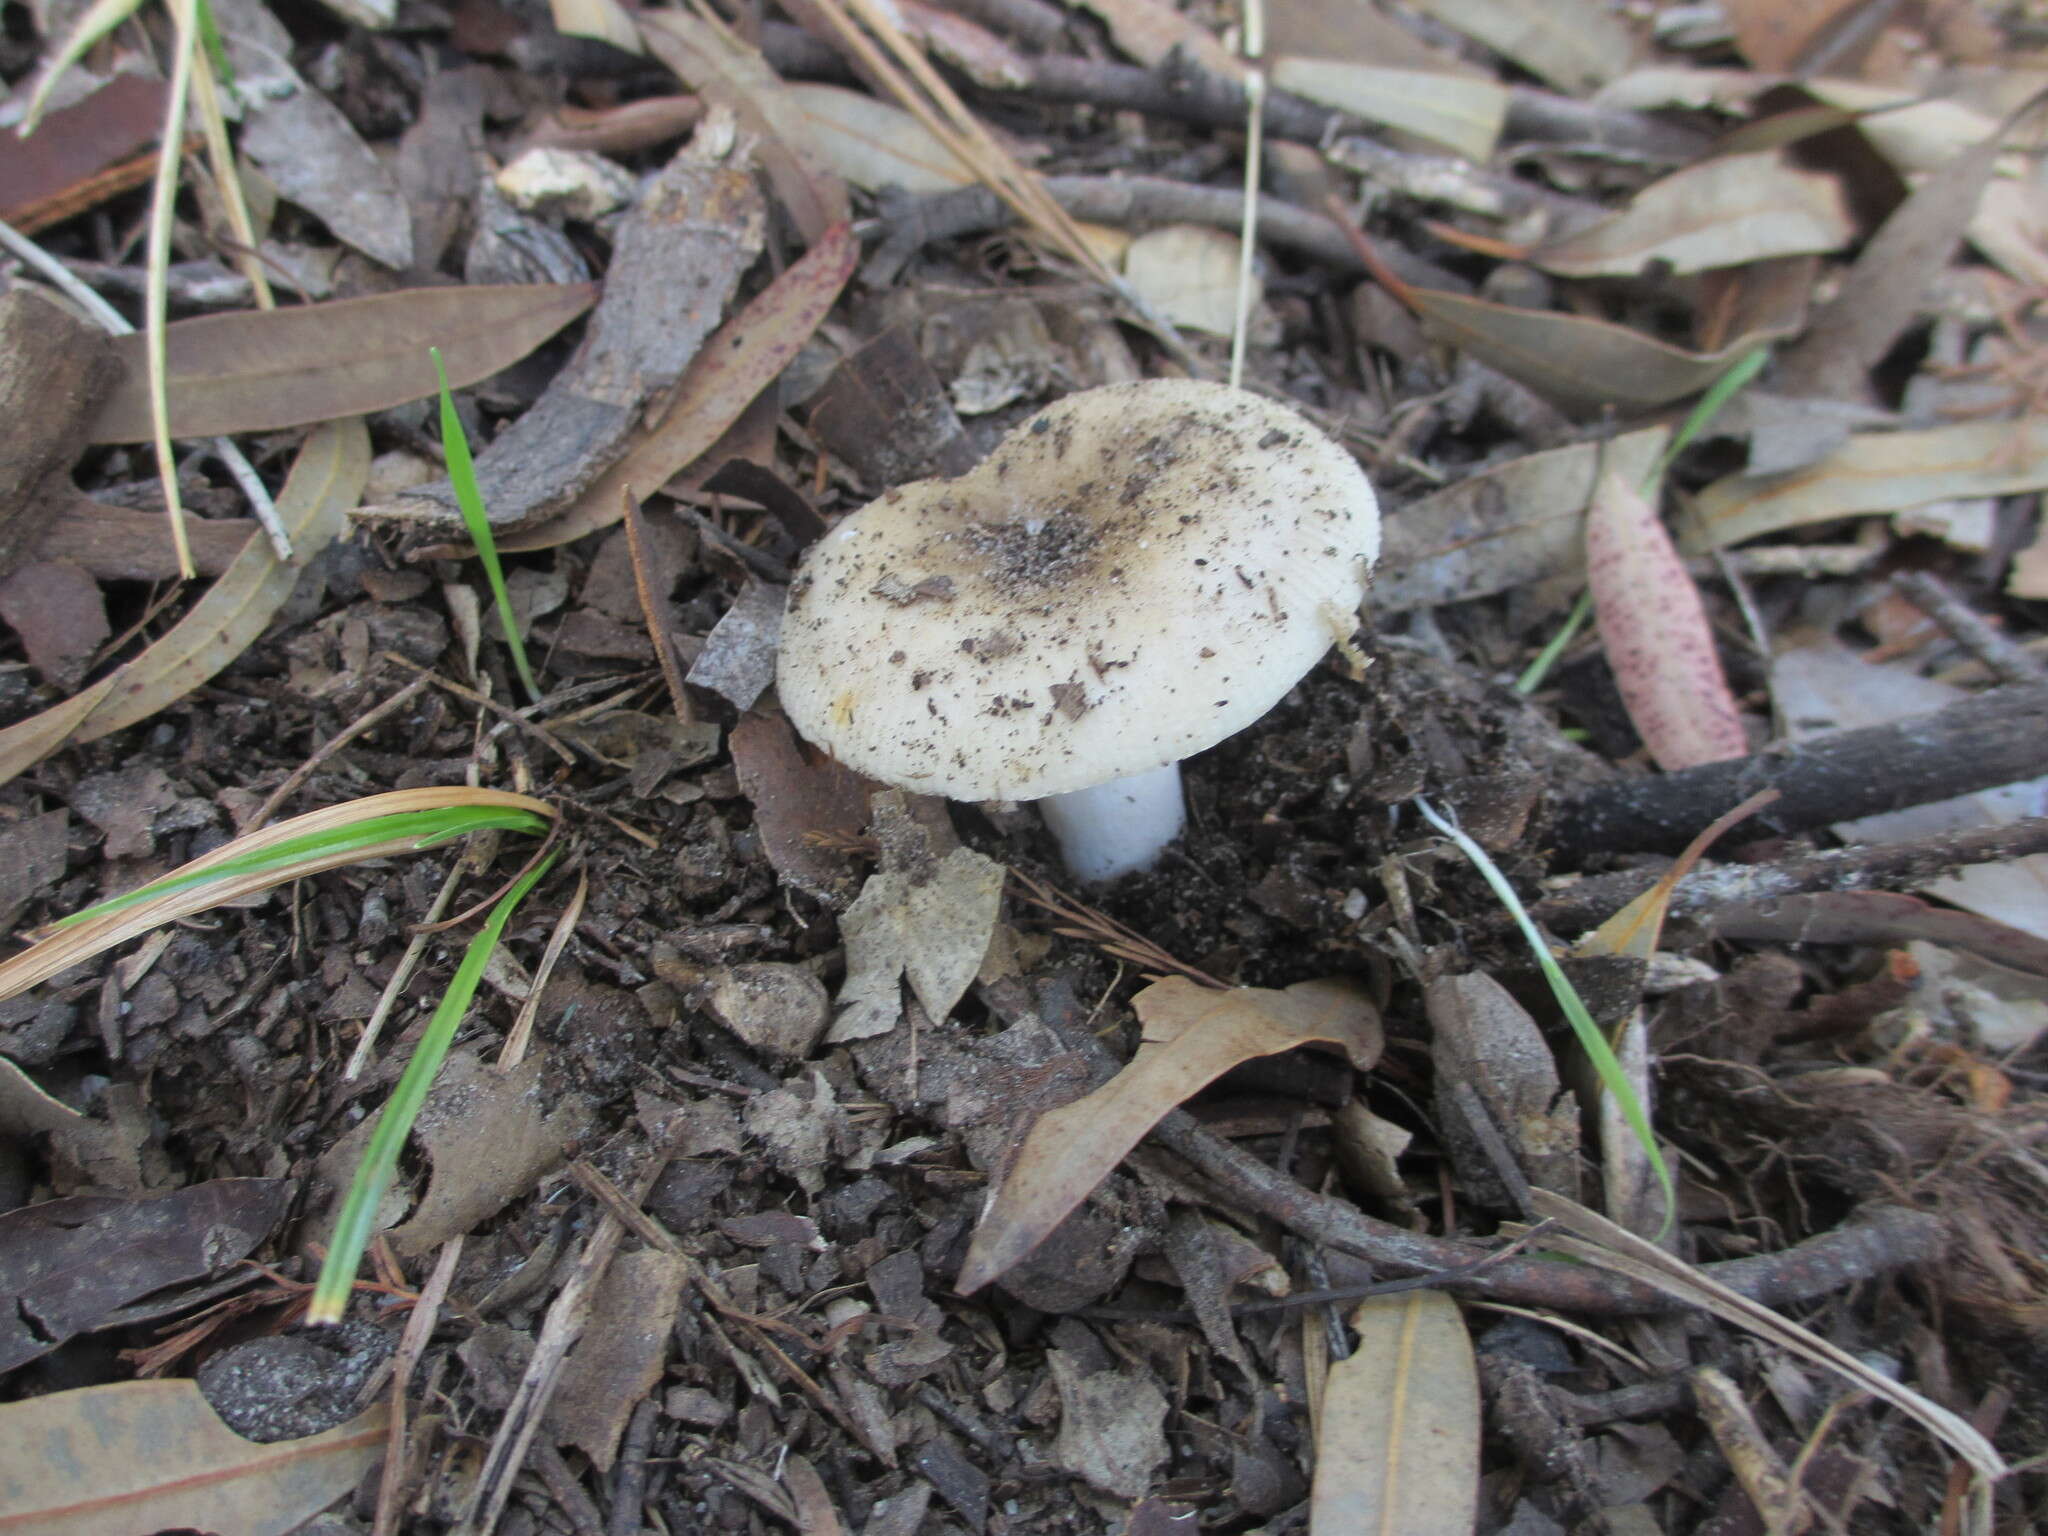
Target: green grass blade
column 425, row 828
column 216, row 49
column 357, row 1222
column 1710, row 405
column 1539, row 669
column 1605, row 1064
column 1723, row 389
column 462, row 475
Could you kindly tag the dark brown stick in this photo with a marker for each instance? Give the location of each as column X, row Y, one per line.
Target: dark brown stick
column 1899, row 866
column 1975, row 744
column 2007, row 660
column 1877, row 1239
column 1128, row 200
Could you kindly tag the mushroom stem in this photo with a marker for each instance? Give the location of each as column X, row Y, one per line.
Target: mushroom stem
column 1115, row 828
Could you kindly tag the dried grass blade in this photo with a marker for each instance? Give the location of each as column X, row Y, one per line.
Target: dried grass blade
column 1614, row 1248
column 84, row 938
column 156, row 306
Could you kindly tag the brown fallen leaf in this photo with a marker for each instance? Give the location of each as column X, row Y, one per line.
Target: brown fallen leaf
column 1193, row 1035
column 1581, row 363
column 1576, row 45
column 489, row 1133
column 119, row 544
column 325, row 482
column 1881, row 293
column 618, row 1359
column 1656, row 634
column 56, row 610
column 161, row 1459
column 723, row 68
column 1876, row 472
column 262, row 370
column 1722, row 212
column 68, row 1265
column 1397, row 1441
column 1464, row 113
column 740, row 360
column 1483, row 1041
column 1516, row 523
column 43, row 176
column 54, row 370
column 923, row 917
column 807, row 807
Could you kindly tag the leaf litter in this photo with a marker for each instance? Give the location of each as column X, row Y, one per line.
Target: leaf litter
column 744, row 1092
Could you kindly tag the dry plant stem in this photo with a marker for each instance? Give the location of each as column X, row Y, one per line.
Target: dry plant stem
column 230, row 457
column 2005, row 658
column 367, row 721
column 1978, row 743
column 419, row 1328
column 566, row 1319
column 401, row 977
column 657, row 631
column 1877, row 1240
column 517, row 1038
column 162, row 210
column 227, row 181
column 504, row 712
column 1875, row 866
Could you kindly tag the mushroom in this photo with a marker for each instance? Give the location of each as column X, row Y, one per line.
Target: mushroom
column 1134, row 574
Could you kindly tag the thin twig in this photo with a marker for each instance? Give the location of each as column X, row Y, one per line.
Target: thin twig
column 364, row 722
column 2001, row 654
column 565, row 926
column 419, row 1329
column 483, row 701
column 401, row 977
column 643, row 587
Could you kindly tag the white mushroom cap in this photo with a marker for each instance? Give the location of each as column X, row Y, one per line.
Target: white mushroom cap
column 1134, row 574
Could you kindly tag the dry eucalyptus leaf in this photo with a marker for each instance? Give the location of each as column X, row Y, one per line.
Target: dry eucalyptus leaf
column 1188, row 273
column 316, row 159
column 740, row 360
column 1580, row 363
column 261, row 370
column 1877, row 472
column 873, row 144
column 1721, row 212
column 1482, row 1037
column 1397, row 1443
column 1656, row 635
column 1576, row 45
column 1150, row 30
column 1464, row 113
column 326, row 480
column 161, row 1459
column 729, row 72
column 1193, row 1035
column 1882, row 292
column 677, row 258
column 1519, row 522
column 66, row 1265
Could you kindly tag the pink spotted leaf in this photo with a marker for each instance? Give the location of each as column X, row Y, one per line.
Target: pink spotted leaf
column 1656, row 633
